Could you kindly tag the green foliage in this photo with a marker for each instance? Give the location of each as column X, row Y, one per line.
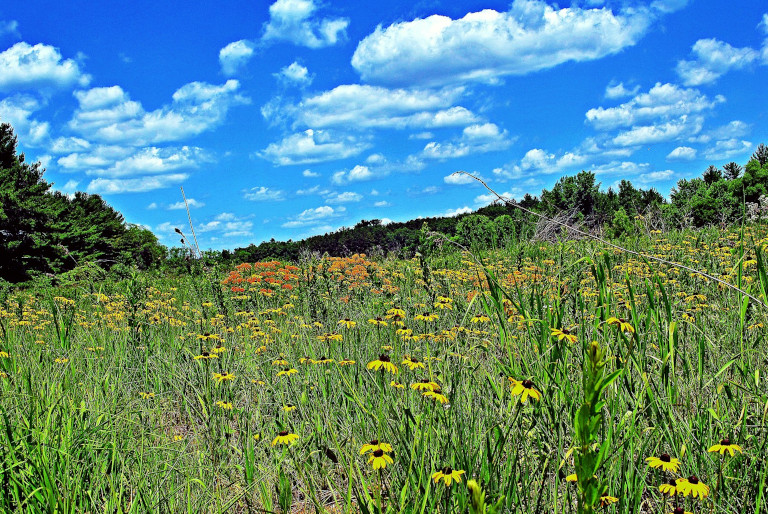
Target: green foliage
column 476, row 230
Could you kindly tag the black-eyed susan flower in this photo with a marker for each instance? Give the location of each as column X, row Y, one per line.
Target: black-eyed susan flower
column 287, row 372
column 4, row 355
column 693, row 486
column 383, row 363
column 374, row 445
column 524, row 389
column 607, row 500
column 424, row 385
column 670, row 488
column 436, row 394
column 680, row 510
column 377, row 321
column 624, row 325
column 205, row 356
column 347, row 323
column 289, row 408
column 563, row 333
column 221, row 377
column 61, row 360
column 725, row 446
column 396, row 313
column 426, row 316
column 346, row 362
column 224, row 405
column 448, row 475
column 379, row 459
column 218, row 349
column 480, row 318
column 412, row 363
column 665, row 462
column 284, row 437
column 396, row 385
column 146, row 395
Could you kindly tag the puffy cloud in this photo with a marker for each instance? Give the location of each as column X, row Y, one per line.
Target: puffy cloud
column 39, row 67
column 382, row 203
column 661, row 101
column 613, row 91
column 487, row 198
column 487, row 45
column 537, row 160
column 261, row 194
column 235, row 56
column 682, row 153
column 152, row 160
column 346, row 197
column 713, row 59
column 728, row 148
column 478, row 138
column 455, row 212
column 108, row 114
column 191, row 202
column 312, row 146
column 684, row 126
column 292, row 21
column 294, row 74
column 356, row 174
column 18, row 110
column 135, row 185
column 9, row 27
column 314, row 216
column 460, row 179
column 309, row 174
column 734, row 129
column 655, row 176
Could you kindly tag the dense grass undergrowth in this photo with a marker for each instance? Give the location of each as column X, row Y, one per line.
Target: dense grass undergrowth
column 258, row 388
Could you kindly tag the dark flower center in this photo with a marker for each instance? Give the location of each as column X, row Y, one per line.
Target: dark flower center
column 678, row 510
column 672, row 482
column 378, row 453
column 725, row 442
column 665, row 457
column 384, row 358
column 414, row 360
column 283, row 433
column 528, row 384
column 205, row 354
column 375, row 442
column 447, row 470
column 347, row 319
column 693, row 479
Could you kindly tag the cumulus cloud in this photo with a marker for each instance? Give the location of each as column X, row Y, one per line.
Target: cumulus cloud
column 382, row 203
column 660, row 102
column 345, row 197
column 728, row 148
column 487, row 45
column 153, row 160
column 294, row 75
column 655, row 176
column 681, row 127
column 461, row 179
column 191, row 202
column 261, row 194
column 293, row 21
column 537, row 160
column 18, row 110
column 108, row 114
column 309, row 174
column 314, row 216
column 312, row 146
column 25, row 67
column 478, row 138
column 613, row 91
column 235, row 56
column 487, row 198
column 456, row 212
column 135, row 185
column 712, row 59
column 682, row 153
column 357, row 174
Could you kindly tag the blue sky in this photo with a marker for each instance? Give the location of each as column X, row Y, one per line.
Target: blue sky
column 298, row 117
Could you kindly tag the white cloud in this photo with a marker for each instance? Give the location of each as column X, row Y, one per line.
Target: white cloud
column 18, row 110
column 487, row 198
column 487, row 45
column 70, row 186
column 235, row 56
column 655, row 176
column 261, row 194
column 620, row 91
column 152, row 206
column 69, row 145
column 310, row 174
column 9, row 27
column 151, row 160
column 764, row 27
column 537, row 160
column 314, row 216
column 382, row 203
column 292, row 21
column 684, row 126
column 713, row 59
column 356, row 174
column 663, row 101
column 314, row 190
column 455, row 212
column 682, row 153
column 346, row 197
column 135, row 185
column 191, row 202
column 108, row 114
column 728, row 148
column 478, row 138
column 294, row 74
column 734, row 129
column 312, row 146
column 623, row 168
column 39, row 67
column 460, row 179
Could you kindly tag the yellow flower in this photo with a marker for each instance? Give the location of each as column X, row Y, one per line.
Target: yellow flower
column 426, row 317
column 287, row 372
column 218, row 349
column 4, row 355
column 348, row 323
column 665, row 462
column 146, row 396
column 424, row 385
column 220, row 377
column 412, row 363
column 726, row 446
column 480, row 318
column 447, row 475
column 321, row 360
column 289, row 408
column 205, row 356
column 383, row 363
column 178, row 438
column 607, row 500
column 284, row 437
column 396, row 385
column 61, row 360
column 396, row 312
column 670, row 488
column 224, row 405
column 280, row 362
column 377, row 322
column 375, row 445
column 680, row 510
column 624, row 325
column 524, row 388
column 379, row 459
column 561, row 334
column 346, row 362
column 571, row 478
column 693, row 486
column 437, row 395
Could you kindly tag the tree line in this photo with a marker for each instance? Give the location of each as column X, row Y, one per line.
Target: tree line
column 47, row 232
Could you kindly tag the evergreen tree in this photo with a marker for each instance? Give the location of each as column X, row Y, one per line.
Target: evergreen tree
column 732, row 171
column 712, row 175
column 761, row 154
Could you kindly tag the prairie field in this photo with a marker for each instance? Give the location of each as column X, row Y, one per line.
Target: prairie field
column 548, row 373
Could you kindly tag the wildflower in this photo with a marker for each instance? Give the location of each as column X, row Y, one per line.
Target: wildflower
column 680, row 510
column 424, row 385
column 379, row 459
column 287, row 372
column 178, row 438
column 571, row 478
column 397, row 385
column 480, row 318
column 384, row 363
column 280, row 362
column 256, row 437
column 375, row 445
column 670, row 488
column 346, row 362
column 726, row 446
column 624, row 325
column 607, row 500
column 220, row 377
column 4, row 355
column 289, row 408
column 444, row 303
column 146, row 395
column 665, row 462
column 61, row 360
column 284, row 437
column 524, row 388
column 396, row 312
column 321, row 360
column 447, row 475
column 218, row 349
column 348, row 323
column 437, row 395
column 693, row 486
column 378, row 322
column 426, row 317
column 412, row 363
column 561, row 334
column 224, row 405
column 257, row 382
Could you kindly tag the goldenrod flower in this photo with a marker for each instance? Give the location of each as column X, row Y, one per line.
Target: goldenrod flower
column 524, row 388
column 607, row 500
column 379, row 459
column 383, row 363
column 447, row 475
column 348, row 323
column 375, row 445
column 561, row 334
column 412, row 363
column 726, row 446
column 624, row 325
column 220, row 377
column 284, row 437
column 693, row 486
column 665, row 462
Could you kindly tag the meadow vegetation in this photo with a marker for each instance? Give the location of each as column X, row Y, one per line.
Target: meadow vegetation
column 552, row 376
